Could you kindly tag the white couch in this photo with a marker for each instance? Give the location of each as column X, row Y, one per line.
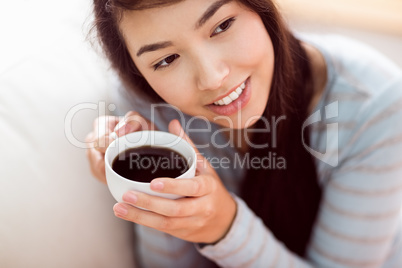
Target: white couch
column 52, row 212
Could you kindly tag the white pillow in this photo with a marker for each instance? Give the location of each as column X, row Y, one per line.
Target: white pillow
column 52, row 212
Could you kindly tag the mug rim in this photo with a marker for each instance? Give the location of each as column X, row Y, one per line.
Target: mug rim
column 148, row 132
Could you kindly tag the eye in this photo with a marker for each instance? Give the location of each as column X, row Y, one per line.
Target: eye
column 224, row 26
column 166, row 62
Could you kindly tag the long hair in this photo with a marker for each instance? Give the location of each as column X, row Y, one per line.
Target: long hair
column 285, row 199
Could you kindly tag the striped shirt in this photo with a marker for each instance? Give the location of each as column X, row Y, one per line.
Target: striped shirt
column 356, row 137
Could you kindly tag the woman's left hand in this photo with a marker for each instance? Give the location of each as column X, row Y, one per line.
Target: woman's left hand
column 204, row 216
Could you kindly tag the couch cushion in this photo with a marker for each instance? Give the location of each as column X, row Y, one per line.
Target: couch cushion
column 53, row 212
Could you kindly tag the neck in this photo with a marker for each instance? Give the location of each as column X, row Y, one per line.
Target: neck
column 238, row 138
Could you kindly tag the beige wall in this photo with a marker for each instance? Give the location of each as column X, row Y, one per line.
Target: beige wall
column 383, row 16
column 375, row 22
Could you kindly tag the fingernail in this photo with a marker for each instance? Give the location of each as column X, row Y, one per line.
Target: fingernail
column 113, row 135
column 119, row 125
column 157, row 185
column 130, row 197
column 126, row 128
column 120, row 209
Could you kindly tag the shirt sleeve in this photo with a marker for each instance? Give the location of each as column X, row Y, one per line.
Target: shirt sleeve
column 250, row 244
column 359, row 220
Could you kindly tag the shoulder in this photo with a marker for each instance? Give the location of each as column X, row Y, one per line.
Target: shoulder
column 360, row 79
column 352, row 57
column 353, row 65
column 361, row 108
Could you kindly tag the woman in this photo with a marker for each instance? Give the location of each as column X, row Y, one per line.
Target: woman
column 235, row 64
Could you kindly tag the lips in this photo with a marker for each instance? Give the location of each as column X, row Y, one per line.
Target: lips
column 232, row 103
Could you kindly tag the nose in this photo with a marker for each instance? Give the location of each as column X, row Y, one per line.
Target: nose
column 212, row 72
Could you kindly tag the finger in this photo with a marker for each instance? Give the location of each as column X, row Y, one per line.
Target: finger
column 143, row 217
column 195, row 187
column 103, row 142
column 202, row 163
column 132, row 122
column 89, row 138
column 97, row 164
column 183, row 207
column 100, row 137
column 176, row 129
column 105, row 124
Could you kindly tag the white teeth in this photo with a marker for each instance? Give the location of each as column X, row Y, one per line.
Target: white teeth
column 227, row 100
column 232, row 96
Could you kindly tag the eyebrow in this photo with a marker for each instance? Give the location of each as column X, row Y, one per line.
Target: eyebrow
column 210, row 12
column 203, row 19
column 153, row 47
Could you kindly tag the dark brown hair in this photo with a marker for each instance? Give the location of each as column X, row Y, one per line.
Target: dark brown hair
column 286, row 199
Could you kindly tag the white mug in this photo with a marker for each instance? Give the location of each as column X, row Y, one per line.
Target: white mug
column 118, row 185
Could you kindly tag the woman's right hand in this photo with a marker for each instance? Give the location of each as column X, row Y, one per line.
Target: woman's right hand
column 105, row 130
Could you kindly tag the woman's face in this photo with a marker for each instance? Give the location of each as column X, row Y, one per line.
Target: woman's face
column 209, row 58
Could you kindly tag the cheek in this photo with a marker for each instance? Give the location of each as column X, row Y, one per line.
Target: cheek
column 163, row 89
column 171, row 89
column 260, row 49
column 168, row 85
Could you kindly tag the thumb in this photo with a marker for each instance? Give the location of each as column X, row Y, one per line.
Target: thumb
column 176, row 129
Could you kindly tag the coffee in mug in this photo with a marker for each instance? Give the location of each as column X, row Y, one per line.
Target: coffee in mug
column 145, row 163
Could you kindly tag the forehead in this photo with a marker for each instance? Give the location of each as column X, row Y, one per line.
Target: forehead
column 144, row 4
column 161, row 15
column 150, row 25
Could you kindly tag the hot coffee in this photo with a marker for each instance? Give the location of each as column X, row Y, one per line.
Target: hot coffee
column 145, row 163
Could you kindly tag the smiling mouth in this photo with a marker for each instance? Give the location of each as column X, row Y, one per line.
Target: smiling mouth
column 234, row 95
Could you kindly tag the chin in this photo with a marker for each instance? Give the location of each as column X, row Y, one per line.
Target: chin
column 250, row 120
column 243, row 124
